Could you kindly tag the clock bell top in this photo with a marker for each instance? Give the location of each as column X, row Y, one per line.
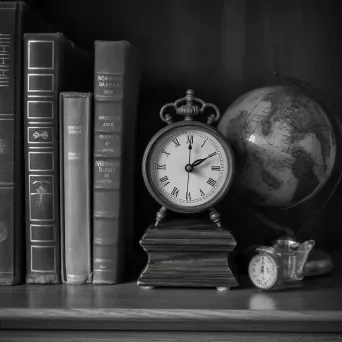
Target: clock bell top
column 189, row 106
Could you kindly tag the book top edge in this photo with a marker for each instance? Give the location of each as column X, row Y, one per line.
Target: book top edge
column 113, row 42
column 116, row 43
column 11, row 5
column 75, row 94
column 39, row 35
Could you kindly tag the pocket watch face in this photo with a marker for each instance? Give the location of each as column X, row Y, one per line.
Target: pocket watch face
column 189, row 167
column 263, row 271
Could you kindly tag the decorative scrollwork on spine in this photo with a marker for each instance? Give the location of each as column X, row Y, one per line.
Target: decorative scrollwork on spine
column 43, row 135
column 42, row 192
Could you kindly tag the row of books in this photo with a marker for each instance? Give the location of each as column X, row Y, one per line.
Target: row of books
column 65, row 119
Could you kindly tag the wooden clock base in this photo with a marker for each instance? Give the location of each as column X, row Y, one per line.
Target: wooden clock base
column 187, row 254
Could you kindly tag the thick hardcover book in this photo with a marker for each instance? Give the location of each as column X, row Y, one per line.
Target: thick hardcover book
column 117, row 76
column 15, row 18
column 52, row 64
column 76, row 134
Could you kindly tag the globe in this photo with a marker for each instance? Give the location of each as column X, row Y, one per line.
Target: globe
column 284, row 145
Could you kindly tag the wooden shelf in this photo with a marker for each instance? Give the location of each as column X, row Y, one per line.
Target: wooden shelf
column 315, row 307
column 126, row 312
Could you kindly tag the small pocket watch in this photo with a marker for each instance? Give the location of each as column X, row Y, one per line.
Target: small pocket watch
column 280, row 266
column 265, row 268
column 188, row 166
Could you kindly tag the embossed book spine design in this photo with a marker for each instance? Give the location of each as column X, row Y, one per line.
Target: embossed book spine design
column 116, row 79
column 12, row 227
column 42, row 184
column 76, row 162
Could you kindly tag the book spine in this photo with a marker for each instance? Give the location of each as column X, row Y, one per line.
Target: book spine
column 42, row 159
column 116, row 87
column 76, row 153
column 12, row 226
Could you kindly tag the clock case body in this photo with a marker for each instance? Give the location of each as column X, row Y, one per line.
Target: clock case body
column 148, row 177
column 186, row 252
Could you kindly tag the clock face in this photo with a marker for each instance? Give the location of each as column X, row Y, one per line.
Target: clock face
column 189, row 167
column 263, row 271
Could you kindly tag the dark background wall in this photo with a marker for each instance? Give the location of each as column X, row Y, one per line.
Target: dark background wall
column 221, row 49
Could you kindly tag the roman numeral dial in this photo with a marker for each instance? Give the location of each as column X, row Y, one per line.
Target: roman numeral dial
column 189, row 167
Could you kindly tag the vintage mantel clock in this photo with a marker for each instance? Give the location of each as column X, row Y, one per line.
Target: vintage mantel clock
column 188, row 167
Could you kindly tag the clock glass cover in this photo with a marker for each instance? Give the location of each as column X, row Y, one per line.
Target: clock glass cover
column 189, row 167
column 263, row 271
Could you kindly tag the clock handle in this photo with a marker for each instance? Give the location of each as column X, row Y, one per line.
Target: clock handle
column 212, row 118
column 193, row 106
column 166, row 117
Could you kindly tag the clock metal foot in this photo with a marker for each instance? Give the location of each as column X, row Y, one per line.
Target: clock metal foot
column 215, row 217
column 147, row 287
column 223, row 289
column 160, row 216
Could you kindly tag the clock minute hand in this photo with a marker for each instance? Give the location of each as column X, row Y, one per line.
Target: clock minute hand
column 187, row 183
column 190, row 148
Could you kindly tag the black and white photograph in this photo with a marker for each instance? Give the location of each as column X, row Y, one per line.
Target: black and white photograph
column 170, row 170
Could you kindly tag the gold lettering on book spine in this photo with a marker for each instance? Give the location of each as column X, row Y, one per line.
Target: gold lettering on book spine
column 3, row 232
column 5, row 60
column 3, row 146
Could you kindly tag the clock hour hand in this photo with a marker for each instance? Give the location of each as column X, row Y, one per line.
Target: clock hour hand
column 199, row 161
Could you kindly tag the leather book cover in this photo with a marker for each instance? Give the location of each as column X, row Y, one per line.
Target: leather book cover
column 76, row 133
column 15, row 18
column 52, row 64
column 116, row 89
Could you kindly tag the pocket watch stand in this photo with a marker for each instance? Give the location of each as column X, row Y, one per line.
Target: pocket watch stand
column 187, row 253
